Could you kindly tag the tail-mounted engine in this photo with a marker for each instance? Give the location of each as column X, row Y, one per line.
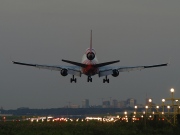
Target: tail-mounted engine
column 64, row 72
column 115, row 73
column 90, row 55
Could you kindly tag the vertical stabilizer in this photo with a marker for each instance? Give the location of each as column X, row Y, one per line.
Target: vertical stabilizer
column 91, row 42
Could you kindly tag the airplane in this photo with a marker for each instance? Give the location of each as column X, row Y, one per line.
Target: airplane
column 89, row 66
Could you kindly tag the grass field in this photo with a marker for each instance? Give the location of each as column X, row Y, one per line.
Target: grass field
column 87, row 128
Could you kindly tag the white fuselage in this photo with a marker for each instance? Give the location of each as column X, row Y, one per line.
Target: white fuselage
column 90, row 69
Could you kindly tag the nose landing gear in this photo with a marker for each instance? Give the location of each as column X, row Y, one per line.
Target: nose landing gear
column 89, row 79
column 73, row 79
column 106, row 80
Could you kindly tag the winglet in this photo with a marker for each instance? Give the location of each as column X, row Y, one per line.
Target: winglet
column 25, row 64
column 160, row 65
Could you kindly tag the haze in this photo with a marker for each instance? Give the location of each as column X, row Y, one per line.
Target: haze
column 45, row 32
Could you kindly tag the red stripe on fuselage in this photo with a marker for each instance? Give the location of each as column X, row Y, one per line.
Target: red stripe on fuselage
column 90, row 69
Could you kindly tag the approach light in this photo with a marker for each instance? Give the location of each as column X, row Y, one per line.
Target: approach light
column 172, row 90
column 150, row 100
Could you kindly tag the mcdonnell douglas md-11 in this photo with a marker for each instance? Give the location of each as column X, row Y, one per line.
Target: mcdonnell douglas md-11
column 89, row 66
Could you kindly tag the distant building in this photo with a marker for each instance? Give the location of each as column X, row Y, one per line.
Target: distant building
column 95, row 106
column 23, row 108
column 85, row 103
column 114, row 103
column 74, row 106
column 106, row 104
column 131, row 102
column 121, row 104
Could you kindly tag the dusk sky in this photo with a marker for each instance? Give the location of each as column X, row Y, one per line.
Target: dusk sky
column 136, row 32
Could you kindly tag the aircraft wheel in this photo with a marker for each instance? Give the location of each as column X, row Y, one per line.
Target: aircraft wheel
column 103, row 80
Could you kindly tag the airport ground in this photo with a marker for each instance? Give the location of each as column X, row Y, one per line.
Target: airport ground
column 93, row 127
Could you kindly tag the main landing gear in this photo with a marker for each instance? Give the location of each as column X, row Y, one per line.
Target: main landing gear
column 89, row 79
column 106, row 80
column 73, row 79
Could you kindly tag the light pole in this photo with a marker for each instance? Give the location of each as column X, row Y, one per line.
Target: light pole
column 146, row 109
column 176, row 106
column 135, row 107
column 168, row 107
column 153, row 114
column 150, row 104
column 163, row 100
column 172, row 99
column 172, row 92
column 176, row 101
column 125, row 113
column 157, row 107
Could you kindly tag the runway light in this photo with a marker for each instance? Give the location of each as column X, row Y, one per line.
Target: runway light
column 146, row 107
column 135, row 107
column 150, row 100
column 168, row 107
column 163, row 100
column 157, row 107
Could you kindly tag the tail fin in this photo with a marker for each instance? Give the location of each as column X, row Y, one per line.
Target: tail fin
column 91, row 42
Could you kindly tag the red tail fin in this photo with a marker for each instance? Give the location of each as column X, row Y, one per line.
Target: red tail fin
column 91, row 42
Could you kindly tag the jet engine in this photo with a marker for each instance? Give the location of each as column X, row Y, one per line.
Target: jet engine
column 64, row 72
column 115, row 73
column 90, row 55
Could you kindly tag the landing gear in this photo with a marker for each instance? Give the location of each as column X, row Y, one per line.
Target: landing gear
column 73, row 79
column 89, row 79
column 106, row 80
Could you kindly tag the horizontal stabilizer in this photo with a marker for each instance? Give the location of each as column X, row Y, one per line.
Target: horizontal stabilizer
column 75, row 63
column 106, row 63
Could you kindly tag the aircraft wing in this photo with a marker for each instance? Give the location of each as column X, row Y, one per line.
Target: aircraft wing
column 104, row 71
column 73, row 70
